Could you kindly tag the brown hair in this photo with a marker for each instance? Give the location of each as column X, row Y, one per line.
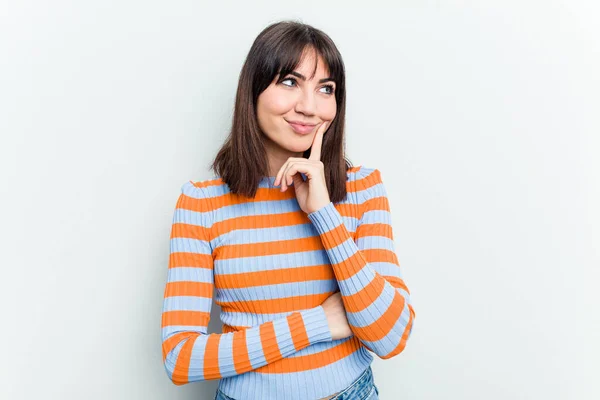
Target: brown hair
column 242, row 160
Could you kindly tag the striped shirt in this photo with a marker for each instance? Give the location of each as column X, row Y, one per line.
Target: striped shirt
column 271, row 266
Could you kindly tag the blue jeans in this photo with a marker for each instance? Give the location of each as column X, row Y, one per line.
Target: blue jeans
column 363, row 388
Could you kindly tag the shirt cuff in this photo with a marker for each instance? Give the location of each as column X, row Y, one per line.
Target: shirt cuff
column 325, row 218
column 316, row 325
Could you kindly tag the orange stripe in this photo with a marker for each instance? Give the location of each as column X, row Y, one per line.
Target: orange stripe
column 353, row 168
column 273, row 277
column 183, row 259
column 380, row 203
column 211, row 357
column 185, row 230
column 396, row 282
column 261, row 221
column 233, row 328
column 274, row 220
column 346, row 209
column 380, row 255
column 189, row 288
column 241, row 358
column 291, row 246
column 296, row 323
column 335, row 236
column 269, row 342
column 375, row 229
column 208, row 183
column 350, row 266
column 170, row 343
column 202, row 204
column 274, row 306
column 189, row 318
column 182, row 365
column 370, row 180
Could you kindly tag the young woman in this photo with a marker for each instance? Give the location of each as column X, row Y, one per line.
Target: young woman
column 296, row 242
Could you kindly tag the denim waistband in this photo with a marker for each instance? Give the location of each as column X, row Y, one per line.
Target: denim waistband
column 360, row 389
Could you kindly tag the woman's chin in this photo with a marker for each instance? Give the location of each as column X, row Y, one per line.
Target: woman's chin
column 298, row 146
column 297, row 149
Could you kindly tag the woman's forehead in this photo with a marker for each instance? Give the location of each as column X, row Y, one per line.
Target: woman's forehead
column 312, row 66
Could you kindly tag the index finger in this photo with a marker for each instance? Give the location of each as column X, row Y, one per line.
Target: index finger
column 315, row 150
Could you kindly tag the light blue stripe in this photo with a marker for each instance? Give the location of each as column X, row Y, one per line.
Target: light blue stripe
column 271, row 262
column 342, row 251
column 356, row 282
column 190, row 190
column 169, row 331
column 376, row 216
column 404, row 294
column 255, row 349
column 189, row 217
column 275, row 234
column 375, row 242
column 255, row 208
column 320, row 347
column 193, row 274
column 196, row 368
column 251, row 319
column 278, row 291
column 377, row 190
column 265, row 235
column 189, row 245
column 273, row 208
column 386, row 268
column 283, row 335
column 226, row 362
column 187, row 303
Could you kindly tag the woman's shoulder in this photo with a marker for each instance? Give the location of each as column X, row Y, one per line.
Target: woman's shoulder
column 363, row 176
column 202, row 188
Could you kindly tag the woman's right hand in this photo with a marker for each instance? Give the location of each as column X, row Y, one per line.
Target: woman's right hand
column 336, row 316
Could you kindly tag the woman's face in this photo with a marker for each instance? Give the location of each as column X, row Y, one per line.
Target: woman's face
column 295, row 99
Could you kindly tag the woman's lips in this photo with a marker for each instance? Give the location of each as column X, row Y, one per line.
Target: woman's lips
column 302, row 129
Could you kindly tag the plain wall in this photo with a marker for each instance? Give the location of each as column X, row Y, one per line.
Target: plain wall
column 483, row 118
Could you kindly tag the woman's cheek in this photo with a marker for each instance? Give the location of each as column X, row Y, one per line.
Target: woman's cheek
column 331, row 108
column 329, row 114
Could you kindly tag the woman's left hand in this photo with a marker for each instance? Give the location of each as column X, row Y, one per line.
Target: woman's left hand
column 312, row 194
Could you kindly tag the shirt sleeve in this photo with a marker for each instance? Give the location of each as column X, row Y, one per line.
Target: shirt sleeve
column 375, row 296
column 189, row 352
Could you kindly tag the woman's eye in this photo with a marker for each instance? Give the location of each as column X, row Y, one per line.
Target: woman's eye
column 330, row 87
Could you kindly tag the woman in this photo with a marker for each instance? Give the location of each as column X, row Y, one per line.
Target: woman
column 296, row 242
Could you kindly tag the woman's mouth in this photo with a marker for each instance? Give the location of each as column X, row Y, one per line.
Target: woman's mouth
column 301, row 129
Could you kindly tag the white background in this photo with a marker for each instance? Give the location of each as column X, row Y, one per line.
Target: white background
column 482, row 118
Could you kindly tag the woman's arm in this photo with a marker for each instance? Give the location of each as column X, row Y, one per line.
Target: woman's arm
column 189, row 352
column 376, row 299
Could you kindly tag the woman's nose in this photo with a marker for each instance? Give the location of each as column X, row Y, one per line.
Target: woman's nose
column 306, row 103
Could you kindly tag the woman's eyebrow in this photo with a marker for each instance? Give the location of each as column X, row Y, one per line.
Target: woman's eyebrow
column 299, row 75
